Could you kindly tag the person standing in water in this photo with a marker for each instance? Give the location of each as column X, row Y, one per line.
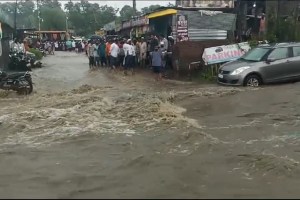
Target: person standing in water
column 157, row 62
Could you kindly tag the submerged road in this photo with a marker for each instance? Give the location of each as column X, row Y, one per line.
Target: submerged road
column 97, row 134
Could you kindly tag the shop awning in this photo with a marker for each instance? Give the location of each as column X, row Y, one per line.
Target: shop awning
column 162, row 13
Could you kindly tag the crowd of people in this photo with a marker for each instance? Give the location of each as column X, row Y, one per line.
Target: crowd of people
column 117, row 54
column 128, row 54
column 69, row 45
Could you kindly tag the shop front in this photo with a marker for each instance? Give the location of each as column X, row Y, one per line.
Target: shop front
column 126, row 29
column 140, row 26
column 162, row 22
column 110, row 28
column 53, row 35
column 135, row 28
column 6, row 35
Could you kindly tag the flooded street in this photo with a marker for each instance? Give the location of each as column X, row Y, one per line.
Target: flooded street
column 97, row 134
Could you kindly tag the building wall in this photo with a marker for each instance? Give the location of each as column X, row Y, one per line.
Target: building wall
column 4, row 46
column 4, row 54
column 205, row 3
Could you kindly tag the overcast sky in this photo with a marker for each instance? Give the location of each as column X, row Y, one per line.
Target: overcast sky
column 119, row 4
column 139, row 3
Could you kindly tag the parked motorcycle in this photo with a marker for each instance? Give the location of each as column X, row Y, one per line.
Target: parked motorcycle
column 19, row 62
column 20, row 82
column 34, row 63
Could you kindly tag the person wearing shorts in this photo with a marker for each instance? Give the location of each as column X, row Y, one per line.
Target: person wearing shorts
column 129, row 57
column 157, row 62
column 114, row 51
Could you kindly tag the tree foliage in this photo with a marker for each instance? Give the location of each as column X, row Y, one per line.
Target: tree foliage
column 149, row 9
column 83, row 16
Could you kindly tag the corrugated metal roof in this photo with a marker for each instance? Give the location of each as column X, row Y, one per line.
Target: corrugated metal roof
column 207, row 34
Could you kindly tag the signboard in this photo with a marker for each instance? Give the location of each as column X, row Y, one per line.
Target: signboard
column 210, row 13
column 126, row 24
column 100, row 33
column 110, row 26
column 226, row 53
column 182, row 28
column 141, row 21
column 0, row 30
column 206, row 3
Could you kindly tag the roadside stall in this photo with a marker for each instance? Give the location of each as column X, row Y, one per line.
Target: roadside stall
column 162, row 22
column 6, row 35
column 53, row 35
column 140, row 26
column 109, row 28
column 126, row 29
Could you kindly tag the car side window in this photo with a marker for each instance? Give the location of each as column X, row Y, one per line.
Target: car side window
column 296, row 51
column 279, row 53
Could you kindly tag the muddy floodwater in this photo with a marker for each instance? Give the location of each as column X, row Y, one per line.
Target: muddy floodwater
column 97, row 134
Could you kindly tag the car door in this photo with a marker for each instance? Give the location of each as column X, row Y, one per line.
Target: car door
column 295, row 63
column 277, row 69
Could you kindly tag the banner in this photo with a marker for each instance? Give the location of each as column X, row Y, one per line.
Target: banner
column 100, row 33
column 206, row 3
column 182, row 28
column 0, row 31
column 226, row 53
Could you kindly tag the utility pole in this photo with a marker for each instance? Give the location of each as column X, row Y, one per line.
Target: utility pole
column 39, row 16
column 67, row 23
column 278, row 32
column 15, row 19
column 296, row 22
column 134, row 7
column 241, row 11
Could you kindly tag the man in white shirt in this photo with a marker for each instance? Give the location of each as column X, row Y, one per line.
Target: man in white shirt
column 96, row 55
column 129, row 56
column 143, row 52
column 114, row 51
column 73, row 45
column 164, row 41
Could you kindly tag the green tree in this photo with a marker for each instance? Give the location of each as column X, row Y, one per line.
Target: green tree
column 149, row 9
column 53, row 18
column 126, row 12
column 69, row 6
column 51, row 3
column 85, row 18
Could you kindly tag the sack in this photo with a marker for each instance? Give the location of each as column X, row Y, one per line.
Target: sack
column 121, row 52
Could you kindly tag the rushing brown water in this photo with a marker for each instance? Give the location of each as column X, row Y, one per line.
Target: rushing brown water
column 98, row 134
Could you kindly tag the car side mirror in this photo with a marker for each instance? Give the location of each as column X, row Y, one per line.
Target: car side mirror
column 269, row 60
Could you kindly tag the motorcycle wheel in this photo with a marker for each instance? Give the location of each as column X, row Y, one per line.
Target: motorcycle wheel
column 25, row 87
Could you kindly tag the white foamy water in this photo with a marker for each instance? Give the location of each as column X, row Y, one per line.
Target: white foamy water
column 48, row 119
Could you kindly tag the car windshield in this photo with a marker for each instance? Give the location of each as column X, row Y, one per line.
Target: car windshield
column 255, row 55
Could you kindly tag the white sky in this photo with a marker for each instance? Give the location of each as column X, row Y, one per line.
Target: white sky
column 117, row 3
column 139, row 3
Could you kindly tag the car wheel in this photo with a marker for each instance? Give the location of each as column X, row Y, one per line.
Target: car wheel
column 252, row 81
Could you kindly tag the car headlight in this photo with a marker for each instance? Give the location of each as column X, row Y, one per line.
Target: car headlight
column 239, row 70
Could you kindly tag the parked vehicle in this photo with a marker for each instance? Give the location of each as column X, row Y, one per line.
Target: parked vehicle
column 262, row 65
column 34, row 63
column 19, row 62
column 20, row 82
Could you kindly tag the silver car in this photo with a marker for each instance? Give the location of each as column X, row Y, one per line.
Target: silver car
column 262, row 65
